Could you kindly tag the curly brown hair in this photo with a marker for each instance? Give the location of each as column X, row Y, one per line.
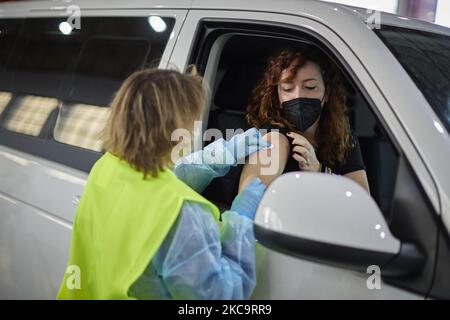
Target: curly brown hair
column 333, row 135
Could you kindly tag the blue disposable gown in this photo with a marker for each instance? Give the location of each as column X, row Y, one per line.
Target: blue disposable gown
column 200, row 259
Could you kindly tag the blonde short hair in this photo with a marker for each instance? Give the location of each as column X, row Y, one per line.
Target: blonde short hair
column 147, row 108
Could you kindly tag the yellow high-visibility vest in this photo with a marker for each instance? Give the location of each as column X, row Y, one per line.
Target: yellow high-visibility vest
column 121, row 221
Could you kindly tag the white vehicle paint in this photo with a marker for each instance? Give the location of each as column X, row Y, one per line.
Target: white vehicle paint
column 38, row 196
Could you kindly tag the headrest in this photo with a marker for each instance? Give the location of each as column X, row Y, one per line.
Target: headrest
column 235, row 89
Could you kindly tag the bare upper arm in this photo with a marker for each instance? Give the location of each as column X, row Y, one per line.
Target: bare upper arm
column 266, row 164
column 359, row 177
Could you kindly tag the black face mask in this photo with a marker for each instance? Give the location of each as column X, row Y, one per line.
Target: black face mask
column 302, row 112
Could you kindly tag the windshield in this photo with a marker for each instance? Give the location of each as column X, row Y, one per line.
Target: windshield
column 426, row 58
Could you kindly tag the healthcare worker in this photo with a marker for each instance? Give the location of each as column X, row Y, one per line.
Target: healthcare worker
column 142, row 230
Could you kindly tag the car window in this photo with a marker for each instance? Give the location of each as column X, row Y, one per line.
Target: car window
column 240, row 67
column 33, row 74
column 9, row 30
column 5, row 98
column 426, row 58
column 80, row 125
column 103, row 64
column 56, row 84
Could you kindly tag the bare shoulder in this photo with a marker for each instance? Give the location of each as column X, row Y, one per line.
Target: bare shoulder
column 277, row 139
column 269, row 163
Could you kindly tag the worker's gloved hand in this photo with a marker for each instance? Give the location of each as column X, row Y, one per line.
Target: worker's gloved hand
column 247, row 201
column 243, row 144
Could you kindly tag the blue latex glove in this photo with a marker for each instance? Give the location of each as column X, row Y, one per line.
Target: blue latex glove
column 247, row 201
column 243, row 144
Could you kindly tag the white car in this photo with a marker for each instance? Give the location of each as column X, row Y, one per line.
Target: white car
column 320, row 236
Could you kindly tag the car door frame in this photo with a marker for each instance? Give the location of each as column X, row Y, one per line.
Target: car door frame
column 352, row 59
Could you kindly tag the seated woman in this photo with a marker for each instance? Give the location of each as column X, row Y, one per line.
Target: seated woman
column 302, row 96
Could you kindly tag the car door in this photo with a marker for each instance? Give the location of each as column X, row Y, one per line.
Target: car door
column 284, row 277
column 55, row 87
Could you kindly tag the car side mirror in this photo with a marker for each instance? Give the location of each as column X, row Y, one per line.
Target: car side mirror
column 331, row 219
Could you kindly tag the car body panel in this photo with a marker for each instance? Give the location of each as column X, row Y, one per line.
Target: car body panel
column 38, row 197
column 38, row 200
column 301, row 279
column 34, row 250
column 272, row 279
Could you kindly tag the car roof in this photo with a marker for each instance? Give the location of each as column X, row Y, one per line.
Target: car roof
column 399, row 21
column 312, row 8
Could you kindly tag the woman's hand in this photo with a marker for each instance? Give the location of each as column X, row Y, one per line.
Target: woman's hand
column 304, row 153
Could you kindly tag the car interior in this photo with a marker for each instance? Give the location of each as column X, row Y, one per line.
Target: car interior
column 241, row 62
